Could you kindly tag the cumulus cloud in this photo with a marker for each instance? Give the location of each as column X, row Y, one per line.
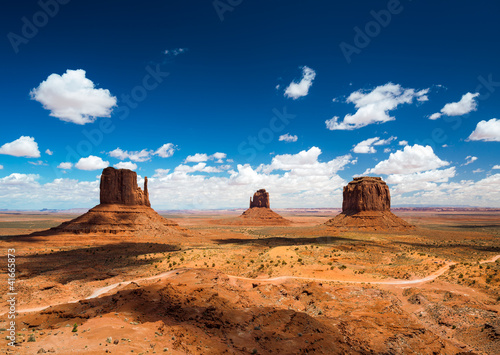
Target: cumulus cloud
column 366, row 146
column 403, row 143
column 72, row 97
column 292, row 179
column 466, row 104
column 412, row 159
column 37, row 163
column 126, row 165
column 202, row 157
column 200, row 167
column 469, row 159
column 374, row 106
column 479, row 170
column 487, row 131
column 24, row 146
column 49, row 152
column 301, row 88
column 165, row 151
column 16, row 189
column 91, row 163
column 65, row 166
column 387, row 150
column 197, row 158
column 288, row 138
column 496, row 167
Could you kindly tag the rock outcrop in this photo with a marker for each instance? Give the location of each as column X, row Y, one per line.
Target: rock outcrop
column 366, row 194
column 260, row 211
column 367, row 206
column 119, row 186
column 124, row 208
column 260, row 199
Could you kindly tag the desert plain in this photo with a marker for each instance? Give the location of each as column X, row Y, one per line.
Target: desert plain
column 215, row 287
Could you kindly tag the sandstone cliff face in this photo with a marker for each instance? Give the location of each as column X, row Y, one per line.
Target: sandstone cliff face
column 260, row 199
column 366, row 194
column 119, row 186
column 367, row 206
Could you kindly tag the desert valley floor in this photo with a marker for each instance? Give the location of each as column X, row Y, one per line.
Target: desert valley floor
column 214, row 286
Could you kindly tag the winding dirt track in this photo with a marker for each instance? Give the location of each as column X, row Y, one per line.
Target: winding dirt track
column 102, row 290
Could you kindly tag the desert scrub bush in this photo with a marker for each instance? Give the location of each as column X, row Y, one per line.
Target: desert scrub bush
column 342, row 267
column 75, row 328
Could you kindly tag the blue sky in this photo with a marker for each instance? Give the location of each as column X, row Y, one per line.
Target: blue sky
column 214, row 99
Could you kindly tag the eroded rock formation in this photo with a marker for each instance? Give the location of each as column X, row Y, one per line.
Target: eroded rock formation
column 124, row 208
column 260, row 211
column 367, row 206
column 119, row 186
column 260, row 199
column 366, row 194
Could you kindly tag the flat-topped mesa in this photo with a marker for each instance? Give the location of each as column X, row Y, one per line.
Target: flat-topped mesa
column 367, row 206
column 260, row 199
column 119, row 186
column 366, row 194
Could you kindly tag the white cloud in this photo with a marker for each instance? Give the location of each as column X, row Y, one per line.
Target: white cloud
column 137, row 156
column 126, row 165
column 161, row 172
column 300, row 89
column 469, row 159
column 49, row 152
column 1, row 167
column 165, row 151
column 175, row 51
column 412, row 159
column 403, row 143
column 288, row 138
column 65, row 166
column 366, row 146
column 487, row 131
column 24, row 146
column 427, row 180
column 292, row 180
column 200, row 167
column 91, row 163
column 466, row 104
column 197, row 158
column 374, row 106
column 72, row 97
column 496, row 167
column 387, row 150
column 479, row 170
column 202, row 157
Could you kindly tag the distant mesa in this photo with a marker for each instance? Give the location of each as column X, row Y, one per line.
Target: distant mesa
column 260, row 210
column 124, row 208
column 367, row 206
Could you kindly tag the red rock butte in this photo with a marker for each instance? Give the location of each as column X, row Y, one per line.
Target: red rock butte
column 124, row 208
column 367, row 206
column 260, row 210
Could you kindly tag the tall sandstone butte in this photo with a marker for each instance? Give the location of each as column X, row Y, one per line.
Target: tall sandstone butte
column 367, row 206
column 119, row 186
column 260, row 199
column 260, row 211
column 366, row 194
column 124, row 208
